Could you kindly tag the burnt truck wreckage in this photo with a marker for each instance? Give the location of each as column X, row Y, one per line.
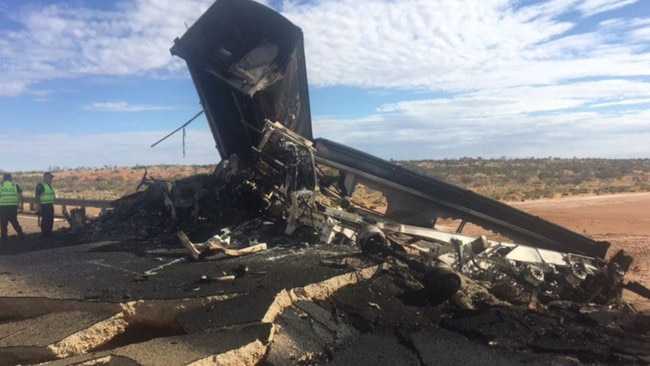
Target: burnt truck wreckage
column 247, row 63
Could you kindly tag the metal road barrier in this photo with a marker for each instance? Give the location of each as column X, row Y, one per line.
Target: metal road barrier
column 64, row 203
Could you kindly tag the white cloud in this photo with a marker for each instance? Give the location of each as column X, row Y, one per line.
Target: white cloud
column 622, row 102
column 532, row 78
column 591, row 7
column 65, row 41
column 67, row 150
column 578, row 134
column 122, row 106
column 525, row 100
column 449, row 45
column 412, row 44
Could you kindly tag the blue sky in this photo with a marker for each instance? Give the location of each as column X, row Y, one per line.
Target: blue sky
column 93, row 84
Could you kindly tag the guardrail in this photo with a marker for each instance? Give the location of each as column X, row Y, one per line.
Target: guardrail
column 63, row 203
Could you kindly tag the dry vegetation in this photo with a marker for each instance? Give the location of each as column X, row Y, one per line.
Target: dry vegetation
column 501, row 179
column 526, row 179
column 107, row 183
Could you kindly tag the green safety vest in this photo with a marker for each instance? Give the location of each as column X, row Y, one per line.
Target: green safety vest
column 9, row 194
column 48, row 196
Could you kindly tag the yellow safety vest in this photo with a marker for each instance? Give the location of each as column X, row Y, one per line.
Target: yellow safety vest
column 9, row 194
column 48, row 196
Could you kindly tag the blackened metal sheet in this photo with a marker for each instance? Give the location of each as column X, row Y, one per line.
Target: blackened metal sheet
column 247, row 63
column 416, row 199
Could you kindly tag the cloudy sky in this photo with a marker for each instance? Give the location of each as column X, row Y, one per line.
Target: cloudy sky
column 88, row 83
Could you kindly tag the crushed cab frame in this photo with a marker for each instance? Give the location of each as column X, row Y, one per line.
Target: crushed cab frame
column 248, row 65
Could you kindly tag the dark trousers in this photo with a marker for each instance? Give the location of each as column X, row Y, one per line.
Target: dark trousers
column 47, row 220
column 9, row 214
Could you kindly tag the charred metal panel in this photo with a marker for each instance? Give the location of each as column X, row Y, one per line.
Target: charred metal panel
column 248, row 64
column 416, row 199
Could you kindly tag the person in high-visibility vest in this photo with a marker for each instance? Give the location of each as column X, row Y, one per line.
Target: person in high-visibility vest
column 10, row 200
column 45, row 198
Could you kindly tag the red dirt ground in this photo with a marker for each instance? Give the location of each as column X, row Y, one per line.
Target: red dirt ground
column 621, row 219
